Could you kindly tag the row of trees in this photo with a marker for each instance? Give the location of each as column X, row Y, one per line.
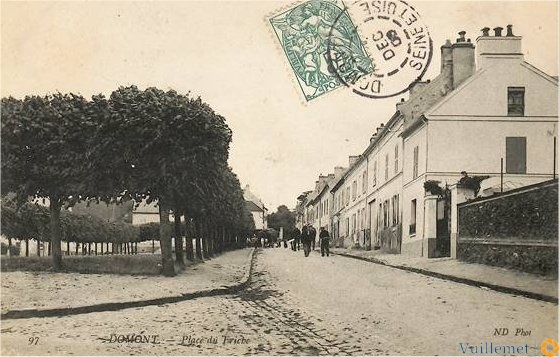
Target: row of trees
column 145, row 145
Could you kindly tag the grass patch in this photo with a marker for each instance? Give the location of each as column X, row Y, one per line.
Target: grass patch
column 141, row 264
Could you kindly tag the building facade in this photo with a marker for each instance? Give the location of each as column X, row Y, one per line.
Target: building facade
column 257, row 209
column 488, row 115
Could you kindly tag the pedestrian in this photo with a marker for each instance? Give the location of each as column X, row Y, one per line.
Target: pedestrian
column 296, row 236
column 312, row 234
column 306, row 238
column 324, row 241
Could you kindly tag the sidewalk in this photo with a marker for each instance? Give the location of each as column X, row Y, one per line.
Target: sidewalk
column 31, row 293
column 496, row 278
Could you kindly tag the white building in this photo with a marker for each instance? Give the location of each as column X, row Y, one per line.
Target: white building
column 257, row 208
column 488, row 113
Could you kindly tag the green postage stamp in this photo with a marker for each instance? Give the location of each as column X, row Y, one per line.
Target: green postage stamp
column 322, row 46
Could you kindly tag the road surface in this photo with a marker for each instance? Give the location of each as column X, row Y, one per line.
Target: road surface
column 304, row 306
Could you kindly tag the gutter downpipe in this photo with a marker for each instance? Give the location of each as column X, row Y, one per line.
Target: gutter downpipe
column 424, row 120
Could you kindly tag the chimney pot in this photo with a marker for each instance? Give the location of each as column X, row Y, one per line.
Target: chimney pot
column 498, row 31
column 509, row 31
column 462, row 35
column 402, row 100
column 485, row 31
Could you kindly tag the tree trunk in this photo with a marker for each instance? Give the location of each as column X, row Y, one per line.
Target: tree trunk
column 205, row 239
column 55, row 234
column 88, row 248
column 95, row 248
column 27, row 247
column 153, row 246
column 102, row 246
column 209, row 234
column 165, row 241
column 198, row 238
column 189, row 245
column 9, row 247
column 38, row 248
column 222, row 238
column 179, row 255
column 77, row 248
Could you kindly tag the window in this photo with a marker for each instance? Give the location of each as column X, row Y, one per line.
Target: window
column 386, row 168
column 395, row 210
column 386, row 211
column 413, row 218
column 359, row 219
column 515, row 101
column 364, row 182
column 395, row 159
column 347, row 226
column 415, row 162
column 374, row 174
column 516, row 155
column 354, row 190
column 353, row 223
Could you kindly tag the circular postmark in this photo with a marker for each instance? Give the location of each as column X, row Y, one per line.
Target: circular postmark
column 396, row 41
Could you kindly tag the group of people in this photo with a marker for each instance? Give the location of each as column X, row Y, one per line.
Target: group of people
column 307, row 236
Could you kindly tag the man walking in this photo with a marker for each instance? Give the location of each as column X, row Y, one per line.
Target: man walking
column 312, row 235
column 324, row 241
column 296, row 239
column 305, row 236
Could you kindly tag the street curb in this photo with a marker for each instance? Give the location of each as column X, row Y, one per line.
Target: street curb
column 115, row 306
column 476, row 283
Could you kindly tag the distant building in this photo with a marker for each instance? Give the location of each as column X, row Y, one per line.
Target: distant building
column 257, row 208
column 147, row 213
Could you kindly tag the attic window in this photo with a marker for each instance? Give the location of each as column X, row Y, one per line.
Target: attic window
column 515, row 101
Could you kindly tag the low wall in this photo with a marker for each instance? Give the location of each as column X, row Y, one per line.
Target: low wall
column 516, row 230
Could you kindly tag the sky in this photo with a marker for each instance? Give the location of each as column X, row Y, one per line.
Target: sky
column 226, row 53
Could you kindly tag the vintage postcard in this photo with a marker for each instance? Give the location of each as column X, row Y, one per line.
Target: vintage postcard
column 279, row 178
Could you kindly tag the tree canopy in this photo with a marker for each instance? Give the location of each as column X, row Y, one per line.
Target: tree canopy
column 153, row 145
column 283, row 217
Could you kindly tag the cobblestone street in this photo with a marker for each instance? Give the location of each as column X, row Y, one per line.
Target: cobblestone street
column 301, row 306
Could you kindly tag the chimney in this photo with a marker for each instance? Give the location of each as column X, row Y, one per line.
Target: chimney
column 446, row 56
column 498, row 31
column 339, row 171
column 353, row 159
column 373, row 138
column 509, row 31
column 463, row 59
column 498, row 47
column 379, row 129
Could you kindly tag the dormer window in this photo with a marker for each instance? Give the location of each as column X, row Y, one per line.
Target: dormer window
column 515, row 101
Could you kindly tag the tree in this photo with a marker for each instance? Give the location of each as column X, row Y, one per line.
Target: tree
column 43, row 151
column 157, row 142
column 283, row 217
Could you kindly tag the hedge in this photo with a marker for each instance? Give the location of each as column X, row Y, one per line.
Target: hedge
column 31, row 221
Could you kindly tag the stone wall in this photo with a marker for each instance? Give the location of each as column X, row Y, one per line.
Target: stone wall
column 516, row 230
